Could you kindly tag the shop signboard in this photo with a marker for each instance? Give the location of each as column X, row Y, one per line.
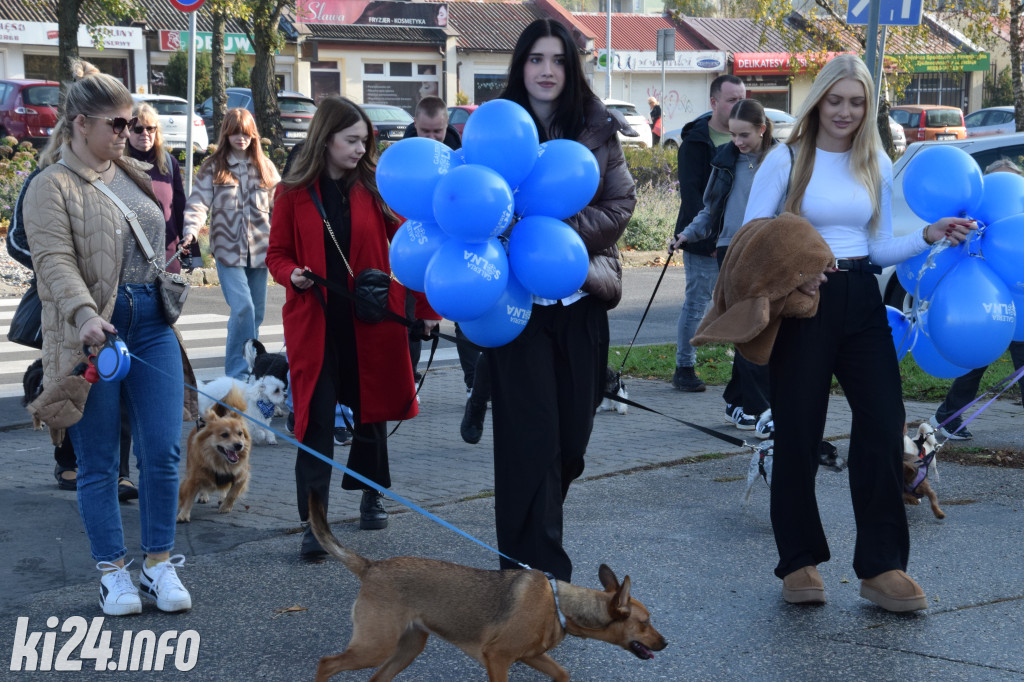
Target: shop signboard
column 373, row 13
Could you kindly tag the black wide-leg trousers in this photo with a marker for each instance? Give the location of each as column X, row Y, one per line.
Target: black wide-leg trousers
column 850, row 338
column 546, row 386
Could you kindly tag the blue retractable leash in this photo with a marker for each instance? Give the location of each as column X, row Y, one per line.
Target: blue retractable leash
column 111, row 363
column 327, row 460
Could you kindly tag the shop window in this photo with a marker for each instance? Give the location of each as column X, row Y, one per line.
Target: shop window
column 324, row 84
column 401, row 84
column 47, row 67
column 936, row 88
column 401, row 69
column 373, row 69
column 487, row 87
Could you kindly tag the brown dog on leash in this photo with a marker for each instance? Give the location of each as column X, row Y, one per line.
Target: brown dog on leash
column 497, row 617
column 918, row 458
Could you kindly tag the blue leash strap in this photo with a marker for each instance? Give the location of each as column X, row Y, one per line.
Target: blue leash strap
column 359, row 477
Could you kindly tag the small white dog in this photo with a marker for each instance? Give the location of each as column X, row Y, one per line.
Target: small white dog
column 264, row 391
column 615, row 386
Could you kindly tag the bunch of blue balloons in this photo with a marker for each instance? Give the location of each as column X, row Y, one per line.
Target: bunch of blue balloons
column 965, row 297
column 456, row 244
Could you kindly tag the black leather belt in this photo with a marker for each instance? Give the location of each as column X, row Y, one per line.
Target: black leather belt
column 857, row 265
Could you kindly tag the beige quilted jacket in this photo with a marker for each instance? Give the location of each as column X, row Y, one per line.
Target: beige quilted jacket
column 76, row 237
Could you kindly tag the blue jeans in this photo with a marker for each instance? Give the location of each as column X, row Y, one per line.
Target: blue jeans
column 701, row 275
column 245, row 290
column 153, row 396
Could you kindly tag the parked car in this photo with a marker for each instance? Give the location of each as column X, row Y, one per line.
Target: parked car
column 172, row 113
column 923, row 122
column 899, row 136
column 782, row 123
column 389, row 123
column 984, row 150
column 637, row 121
column 28, row 110
column 990, row 121
column 458, row 115
column 295, row 108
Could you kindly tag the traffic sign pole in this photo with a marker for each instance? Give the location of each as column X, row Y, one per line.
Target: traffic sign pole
column 191, row 100
column 872, row 35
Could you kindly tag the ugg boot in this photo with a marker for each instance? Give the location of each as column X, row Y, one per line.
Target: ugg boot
column 894, row 591
column 804, row 586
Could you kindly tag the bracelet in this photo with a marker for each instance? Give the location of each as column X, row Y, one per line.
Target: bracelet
column 924, row 235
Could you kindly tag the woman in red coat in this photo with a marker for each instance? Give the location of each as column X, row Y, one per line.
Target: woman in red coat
column 334, row 357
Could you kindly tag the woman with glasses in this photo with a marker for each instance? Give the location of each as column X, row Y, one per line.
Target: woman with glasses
column 235, row 188
column 94, row 280
column 146, row 143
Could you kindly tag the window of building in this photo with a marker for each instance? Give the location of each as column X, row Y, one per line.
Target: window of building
column 401, row 84
column 487, row 86
column 936, row 88
column 47, row 67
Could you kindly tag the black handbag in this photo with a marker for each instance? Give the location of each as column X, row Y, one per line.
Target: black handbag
column 371, row 286
column 27, row 323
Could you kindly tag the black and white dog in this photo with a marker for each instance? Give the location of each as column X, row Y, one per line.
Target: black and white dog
column 614, row 385
column 264, row 391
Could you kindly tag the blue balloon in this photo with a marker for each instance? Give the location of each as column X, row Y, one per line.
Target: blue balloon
column 1002, row 196
column 502, row 136
column 561, row 183
column 1002, row 245
column 464, row 280
column 1018, row 305
column 931, row 362
column 910, row 271
column 412, row 247
column 407, row 173
column 902, row 331
column 971, row 319
column 548, row 257
column 504, row 321
column 473, row 203
column 942, row 181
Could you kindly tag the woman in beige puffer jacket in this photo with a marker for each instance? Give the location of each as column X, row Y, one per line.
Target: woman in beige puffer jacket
column 94, row 281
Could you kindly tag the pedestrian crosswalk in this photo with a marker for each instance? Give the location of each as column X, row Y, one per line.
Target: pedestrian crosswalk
column 204, row 335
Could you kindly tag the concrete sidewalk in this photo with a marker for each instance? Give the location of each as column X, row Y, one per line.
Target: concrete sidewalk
column 700, row 560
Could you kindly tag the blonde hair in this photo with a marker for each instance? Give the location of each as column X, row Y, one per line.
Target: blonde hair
column 91, row 93
column 238, row 121
column 866, row 141
column 146, row 112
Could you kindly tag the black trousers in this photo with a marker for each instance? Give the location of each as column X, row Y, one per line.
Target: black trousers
column 545, row 387
column 748, row 384
column 368, row 454
column 965, row 389
column 849, row 337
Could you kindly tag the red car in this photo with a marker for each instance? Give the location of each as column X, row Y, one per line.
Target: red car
column 458, row 115
column 28, row 109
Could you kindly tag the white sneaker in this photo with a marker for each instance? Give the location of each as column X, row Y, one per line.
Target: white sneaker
column 765, row 425
column 161, row 583
column 118, row 596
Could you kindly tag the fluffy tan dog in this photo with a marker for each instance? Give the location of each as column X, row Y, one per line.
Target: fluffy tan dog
column 218, row 458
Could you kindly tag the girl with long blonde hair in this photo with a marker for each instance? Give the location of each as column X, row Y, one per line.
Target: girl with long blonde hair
column 840, row 180
column 235, row 188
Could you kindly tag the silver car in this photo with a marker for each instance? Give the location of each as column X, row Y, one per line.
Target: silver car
column 984, row 150
column 899, row 136
column 991, row 121
column 172, row 112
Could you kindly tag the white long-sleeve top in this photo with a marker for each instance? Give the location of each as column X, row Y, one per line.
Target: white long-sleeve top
column 837, row 205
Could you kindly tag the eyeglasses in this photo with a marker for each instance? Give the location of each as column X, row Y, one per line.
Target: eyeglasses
column 138, row 130
column 118, row 124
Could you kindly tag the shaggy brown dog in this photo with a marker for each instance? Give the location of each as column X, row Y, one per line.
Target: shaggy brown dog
column 218, row 457
column 917, row 457
column 497, row 617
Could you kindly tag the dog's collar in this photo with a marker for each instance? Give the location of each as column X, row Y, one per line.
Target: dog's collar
column 554, row 590
column 924, row 460
column 265, row 407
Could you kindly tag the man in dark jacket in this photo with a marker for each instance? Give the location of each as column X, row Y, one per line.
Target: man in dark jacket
column 700, row 137
column 431, row 120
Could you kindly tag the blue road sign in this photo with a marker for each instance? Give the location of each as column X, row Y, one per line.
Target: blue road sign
column 893, row 12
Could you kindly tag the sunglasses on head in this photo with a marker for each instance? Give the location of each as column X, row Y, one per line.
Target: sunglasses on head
column 138, row 130
column 118, row 124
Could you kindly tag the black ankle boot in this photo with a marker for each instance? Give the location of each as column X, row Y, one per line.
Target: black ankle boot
column 372, row 515
column 472, row 428
column 311, row 549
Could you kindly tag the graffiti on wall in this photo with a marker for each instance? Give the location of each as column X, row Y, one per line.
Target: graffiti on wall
column 676, row 108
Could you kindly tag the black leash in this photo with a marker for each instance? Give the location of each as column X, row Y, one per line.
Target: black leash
column 732, row 440
column 644, row 316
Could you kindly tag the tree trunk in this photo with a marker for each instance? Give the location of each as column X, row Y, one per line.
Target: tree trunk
column 1015, row 65
column 67, row 50
column 264, row 88
column 883, row 127
column 217, row 77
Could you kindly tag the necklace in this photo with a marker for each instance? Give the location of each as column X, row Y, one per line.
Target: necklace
column 109, row 165
column 750, row 165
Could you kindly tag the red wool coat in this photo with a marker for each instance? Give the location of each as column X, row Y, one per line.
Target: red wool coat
column 386, row 389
